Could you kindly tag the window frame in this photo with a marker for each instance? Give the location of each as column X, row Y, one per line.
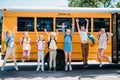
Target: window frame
column 26, row 30
column 104, row 22
column 45, row 18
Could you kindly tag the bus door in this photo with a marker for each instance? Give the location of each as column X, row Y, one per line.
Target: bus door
column 116, row 38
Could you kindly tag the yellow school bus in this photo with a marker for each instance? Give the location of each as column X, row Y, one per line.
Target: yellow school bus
column 32, row 19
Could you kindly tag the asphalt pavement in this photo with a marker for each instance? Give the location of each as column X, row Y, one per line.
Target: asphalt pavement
column 27, row 71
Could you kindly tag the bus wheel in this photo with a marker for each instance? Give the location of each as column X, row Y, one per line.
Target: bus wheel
column 60, row 60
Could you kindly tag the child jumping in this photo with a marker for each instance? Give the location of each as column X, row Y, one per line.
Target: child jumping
column 68, row 45
column 41, row 47
column 103, row 38
column 25, row 42
column 84, row 41
column 10, row 47
column 52, row 45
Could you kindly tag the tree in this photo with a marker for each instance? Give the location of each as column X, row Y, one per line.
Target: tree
column 94, row 3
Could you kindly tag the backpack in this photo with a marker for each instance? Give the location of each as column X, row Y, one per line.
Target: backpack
column 91, row 37
column 50, row 42
column 7, row 42
column 23, row 40
column 6, row 45
column 68, row 35
column 106, row 35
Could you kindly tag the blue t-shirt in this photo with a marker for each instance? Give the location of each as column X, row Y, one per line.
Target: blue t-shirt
column 11, row 40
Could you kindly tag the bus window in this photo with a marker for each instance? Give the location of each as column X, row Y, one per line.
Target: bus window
column 44, row 23
column 101, row 23
column 25, row 23
column 82, row 21
column 59, row 21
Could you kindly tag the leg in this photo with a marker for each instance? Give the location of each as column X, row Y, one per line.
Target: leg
column 42, row 58
column 69, row 58
column 24, row 54
column 86, row 53
column 66, row 57
column 66, row 60
column 28, row 54
column 38, row 61
column 54, row 58
column 83, row 53
column 13, row 55
column 6, row 56
column 70, row 67
column 99, row 54
column 102, row 54
column 105, row 56
column 14, row 59
column 50, row 57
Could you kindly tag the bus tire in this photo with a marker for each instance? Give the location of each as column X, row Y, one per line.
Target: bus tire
column 60, row 60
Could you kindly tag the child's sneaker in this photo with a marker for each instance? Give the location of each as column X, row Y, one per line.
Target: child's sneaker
column 16, row 68
column 101, row 63
column 70, row 67
column 54, row 69
column 23, row 60
column 42, row 68
column 66, row 67
column 109, row 59
column 2, row 68
column 37, row 68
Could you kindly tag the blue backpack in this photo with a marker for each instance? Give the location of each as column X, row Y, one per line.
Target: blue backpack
column 91, row 37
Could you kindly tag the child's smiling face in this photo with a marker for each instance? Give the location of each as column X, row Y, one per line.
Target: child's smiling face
column 8, row 33
column 68, row 31
column 52, row 35
column 41, row 37
column 82, row 28
column 102, row 30
column 25, row 34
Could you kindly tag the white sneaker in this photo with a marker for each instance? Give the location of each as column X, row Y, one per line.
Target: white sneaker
column 16, row 68
column 37, row 68
column 66, row 67
column 42, row 68
column 23, row 60
column 70, row 67
column 100, row 64
column 2, row 68
column 109, row 59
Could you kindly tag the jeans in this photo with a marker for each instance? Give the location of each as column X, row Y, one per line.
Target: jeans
column 41, row 59
column 52, row 56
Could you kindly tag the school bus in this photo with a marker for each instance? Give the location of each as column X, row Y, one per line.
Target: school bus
column 32, row 19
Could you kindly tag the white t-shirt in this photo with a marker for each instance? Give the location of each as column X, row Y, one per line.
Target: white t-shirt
column 41, row 45
column 52, row 44
column 102, row 41
column 26, row 44
column 83, row 36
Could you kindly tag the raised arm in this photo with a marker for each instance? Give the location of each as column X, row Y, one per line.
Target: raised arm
column 78, row 27
column 71, row 32
column 87, row 24
column 63, row 26
column 15, row 30
column 46, row 32
column 36, row 33
column 3, row 30
column 56, row 33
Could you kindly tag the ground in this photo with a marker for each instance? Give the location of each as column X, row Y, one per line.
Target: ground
column 27, row 71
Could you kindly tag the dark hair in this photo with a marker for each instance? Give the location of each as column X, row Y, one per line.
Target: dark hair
column 7, row 32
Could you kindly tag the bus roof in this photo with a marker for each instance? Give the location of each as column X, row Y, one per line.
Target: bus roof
column 62, row 9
